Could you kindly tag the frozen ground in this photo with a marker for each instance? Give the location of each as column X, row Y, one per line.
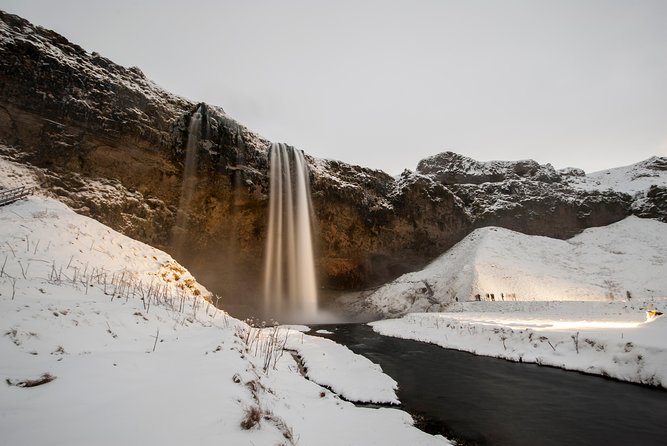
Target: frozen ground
column 605, row 338
column 139, row 355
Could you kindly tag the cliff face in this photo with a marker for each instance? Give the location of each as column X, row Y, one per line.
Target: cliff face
column 111, row 144
column 524, row 196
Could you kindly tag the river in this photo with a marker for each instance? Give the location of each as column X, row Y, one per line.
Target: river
column 478, row 400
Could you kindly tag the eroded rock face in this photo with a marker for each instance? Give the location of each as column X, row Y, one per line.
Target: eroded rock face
column 372, row 227
column 112, row 145
column 652, row 204
column 538, row 208
column 452, row 168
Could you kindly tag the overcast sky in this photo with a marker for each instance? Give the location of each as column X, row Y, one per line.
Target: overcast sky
column 387, row 83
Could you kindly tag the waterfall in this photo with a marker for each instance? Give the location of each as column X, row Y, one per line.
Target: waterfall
column 189, row 182
column 290, row 287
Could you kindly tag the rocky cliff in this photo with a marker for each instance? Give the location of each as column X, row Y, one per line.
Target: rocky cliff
column 112, row 144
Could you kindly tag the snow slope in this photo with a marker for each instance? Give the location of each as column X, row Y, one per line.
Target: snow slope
column 139, row 355
column 624, row 260
column 605, row 338
column 330, row 364
column 632, row 179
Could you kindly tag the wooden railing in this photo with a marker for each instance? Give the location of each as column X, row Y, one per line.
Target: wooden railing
column 11, row 195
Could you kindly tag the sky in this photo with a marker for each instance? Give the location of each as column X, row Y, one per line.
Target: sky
column 384, row 84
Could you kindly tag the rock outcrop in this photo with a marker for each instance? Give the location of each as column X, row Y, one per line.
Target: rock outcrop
column 452, row 168
column 111, row 144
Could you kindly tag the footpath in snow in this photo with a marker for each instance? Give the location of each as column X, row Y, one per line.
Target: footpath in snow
column 605, row 338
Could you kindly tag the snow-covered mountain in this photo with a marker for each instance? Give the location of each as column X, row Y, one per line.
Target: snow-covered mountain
column 621, row 261
column 633, row 179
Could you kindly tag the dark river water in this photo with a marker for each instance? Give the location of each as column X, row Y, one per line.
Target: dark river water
column 478, row 400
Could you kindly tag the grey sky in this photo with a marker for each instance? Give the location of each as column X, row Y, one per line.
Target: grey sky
column 386, row 83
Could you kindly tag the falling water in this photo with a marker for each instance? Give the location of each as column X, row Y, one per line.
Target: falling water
column 290, row 289
column 189, row 182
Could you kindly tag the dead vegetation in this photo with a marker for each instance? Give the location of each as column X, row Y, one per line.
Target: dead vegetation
column 267, row 343
column 253, row 416
column 44, row 379
column 171, row 286
column 13, row 335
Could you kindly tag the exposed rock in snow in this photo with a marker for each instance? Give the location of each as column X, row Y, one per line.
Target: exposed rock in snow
column 622, row 261
column 571, row 172
column 645, row 181
column 539, row 208
column 651, row 203
column 632, row 179
column 452, row 168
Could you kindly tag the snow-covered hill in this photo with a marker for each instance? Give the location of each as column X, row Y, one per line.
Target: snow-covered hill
column 625, row 260
column 632, row 179
column 105, row 340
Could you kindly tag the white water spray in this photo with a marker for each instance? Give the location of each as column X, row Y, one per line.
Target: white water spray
column 290, row 287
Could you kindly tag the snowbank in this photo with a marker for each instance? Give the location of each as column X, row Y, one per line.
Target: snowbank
column 615, row 341
column 335, row 366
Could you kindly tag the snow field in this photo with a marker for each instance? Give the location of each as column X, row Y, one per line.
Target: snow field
column 139, row 354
